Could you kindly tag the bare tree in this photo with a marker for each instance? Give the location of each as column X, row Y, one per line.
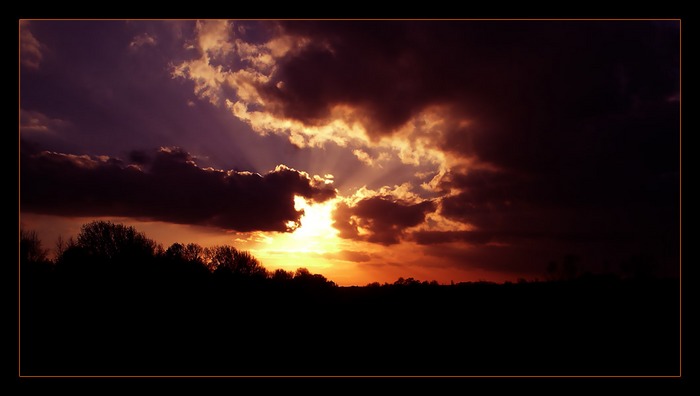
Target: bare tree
column 107, row 240
column 229, row 259
column 30, row 248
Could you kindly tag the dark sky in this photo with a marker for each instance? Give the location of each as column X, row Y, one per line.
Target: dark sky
column 436, row 149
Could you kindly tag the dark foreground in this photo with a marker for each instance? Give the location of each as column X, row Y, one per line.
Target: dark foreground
column 208, row 325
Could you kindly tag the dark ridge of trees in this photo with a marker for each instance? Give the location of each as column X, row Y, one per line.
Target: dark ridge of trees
column 114, row 302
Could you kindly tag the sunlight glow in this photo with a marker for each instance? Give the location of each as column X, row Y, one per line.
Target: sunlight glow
column 308, row 244
column 316, row 224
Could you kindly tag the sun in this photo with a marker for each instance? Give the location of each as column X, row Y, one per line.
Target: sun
column 307, row 246
column 316, row 223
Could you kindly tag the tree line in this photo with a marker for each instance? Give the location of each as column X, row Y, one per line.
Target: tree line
column 106, row 246
column 113, row 302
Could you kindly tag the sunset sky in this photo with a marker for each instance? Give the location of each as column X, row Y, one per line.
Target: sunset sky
column 361, row 150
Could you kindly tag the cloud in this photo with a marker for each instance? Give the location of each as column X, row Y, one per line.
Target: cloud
column 465, row 88
column 35, row 122
column 516, row 96
column 379, row 219
column 212, row 73
column 490, row 74
column 141, row 40
column 166, row 185
column 30, row 49
column 232, row 71
column 528, row 137
column 366, row 159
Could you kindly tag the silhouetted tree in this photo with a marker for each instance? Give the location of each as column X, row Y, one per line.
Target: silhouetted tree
column 109, row 241
column 62, row 245
column 30, row 249
column 185, row 260
column 228, row 259
column 158, row 250
column 105, row 246
column 280, row 275
column 407, row 282
column 186, row 253
column 304, row 278
column 176, row 251
column 194, row 253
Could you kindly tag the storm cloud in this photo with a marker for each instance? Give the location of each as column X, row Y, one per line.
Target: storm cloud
column 379, row 219
column 570, row 128
column 166, row 185
column 522, row 80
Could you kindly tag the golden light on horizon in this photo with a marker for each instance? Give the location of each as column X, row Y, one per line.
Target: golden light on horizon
column 310, row 244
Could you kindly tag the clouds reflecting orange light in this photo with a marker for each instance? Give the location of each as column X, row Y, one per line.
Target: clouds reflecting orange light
column 445, row 150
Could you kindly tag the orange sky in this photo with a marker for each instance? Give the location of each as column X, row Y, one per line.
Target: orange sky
column 439, row 150
column 316, row 248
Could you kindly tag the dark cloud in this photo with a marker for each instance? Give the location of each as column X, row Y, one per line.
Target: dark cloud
column 379, row 219
column 528, row 255
column 111, row 100
column 139, row 157
column 522, row 79
column 576, row 122
column 589, row 108
column 165, row 185
column 611, row 210
column 522, row 222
